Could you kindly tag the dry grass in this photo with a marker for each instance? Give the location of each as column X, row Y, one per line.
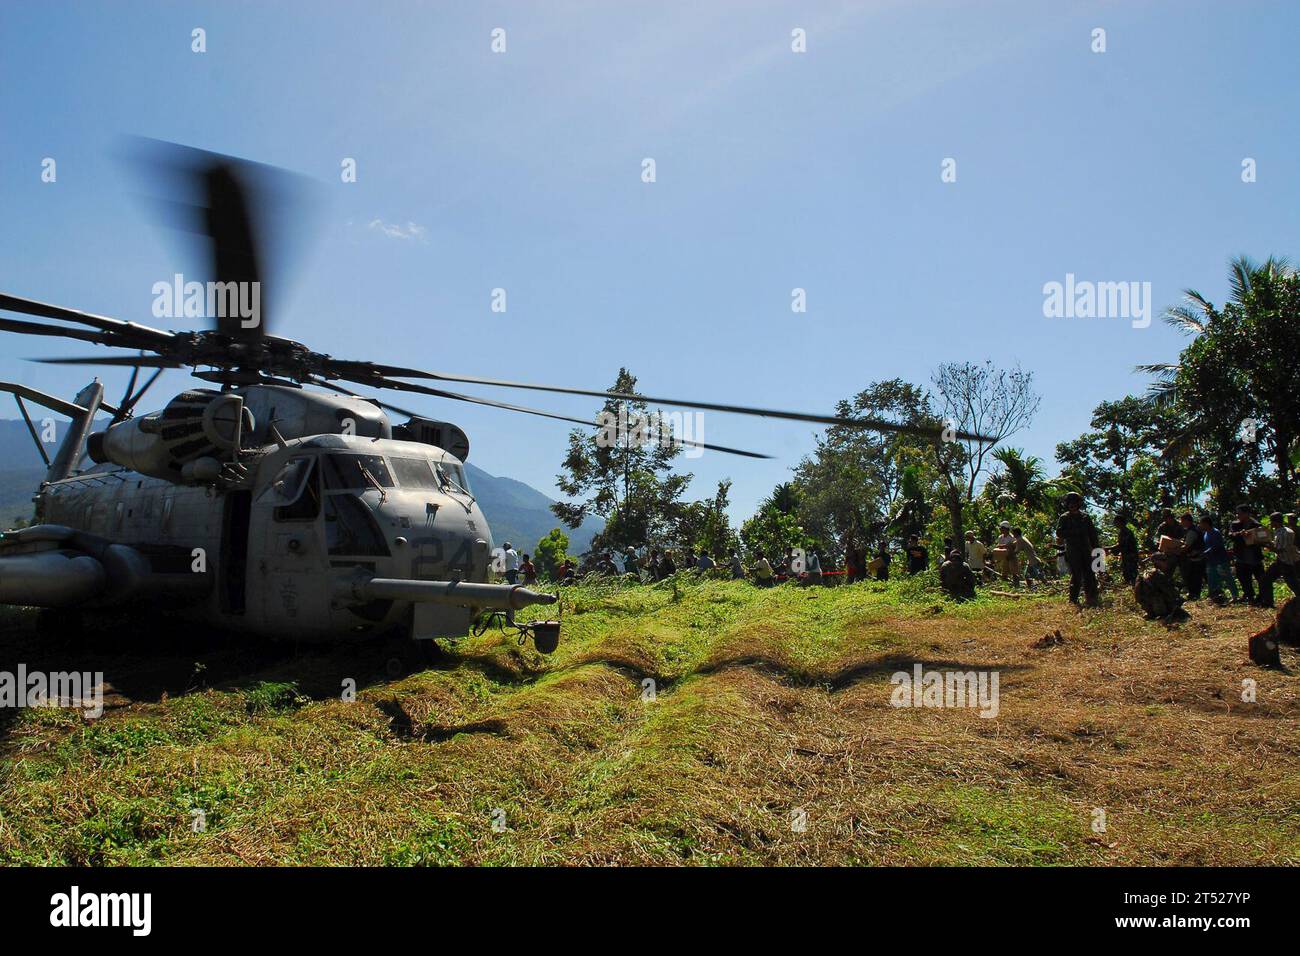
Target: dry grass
column 770, row 740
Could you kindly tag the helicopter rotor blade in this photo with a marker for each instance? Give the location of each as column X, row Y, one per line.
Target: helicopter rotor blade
column 142, row 361
column 493, row 403
column 144, row 333
column 37, row 328
column 234, row 243
column 875, row 424
column 238, row 210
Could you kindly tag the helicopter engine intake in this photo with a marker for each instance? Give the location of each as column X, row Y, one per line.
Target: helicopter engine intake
column 186, row 442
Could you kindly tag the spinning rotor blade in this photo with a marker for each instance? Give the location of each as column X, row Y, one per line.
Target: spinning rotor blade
column 234, row 247
column 240, row 209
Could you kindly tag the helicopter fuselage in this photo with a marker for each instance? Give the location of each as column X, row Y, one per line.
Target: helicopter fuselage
column 279, row 553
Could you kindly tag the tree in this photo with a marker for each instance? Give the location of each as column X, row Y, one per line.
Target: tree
column 1121, row 464
column 1022, row 482
column 622, row 472
column 771, row 530
column 1234, row 387
column 551, row 552
column 704, row 524
column 984, row 400
column 850, row 486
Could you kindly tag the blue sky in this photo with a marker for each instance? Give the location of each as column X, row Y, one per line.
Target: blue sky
column 775, row 170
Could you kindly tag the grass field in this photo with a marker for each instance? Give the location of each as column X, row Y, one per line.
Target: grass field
column 770, row 739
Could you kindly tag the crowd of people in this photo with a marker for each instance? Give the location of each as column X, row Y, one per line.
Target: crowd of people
column 1187, row 557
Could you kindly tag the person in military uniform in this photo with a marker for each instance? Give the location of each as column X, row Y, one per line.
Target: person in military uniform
column 1078, row 534
column 1156, row 592
column 956, row 577
column 1127, row 543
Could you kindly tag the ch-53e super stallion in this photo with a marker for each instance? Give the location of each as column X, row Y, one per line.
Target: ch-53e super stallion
column 281, row 502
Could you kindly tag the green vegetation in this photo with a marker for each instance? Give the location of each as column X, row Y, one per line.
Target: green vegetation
column 692, row 722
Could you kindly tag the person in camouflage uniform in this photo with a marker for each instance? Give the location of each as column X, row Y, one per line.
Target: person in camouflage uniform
column 1156, row 592
column 1078, row 534
column 956, row 577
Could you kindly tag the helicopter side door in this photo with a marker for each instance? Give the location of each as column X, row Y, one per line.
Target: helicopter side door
column 292, row 573
column 233, row 577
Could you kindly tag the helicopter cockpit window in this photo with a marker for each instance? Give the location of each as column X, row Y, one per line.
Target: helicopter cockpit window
column 296, row 491
column 350, row 528
column 415, row 473
column 355, row 472
column 453, row 473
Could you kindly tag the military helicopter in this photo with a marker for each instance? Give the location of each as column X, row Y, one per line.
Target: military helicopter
column 281, row 503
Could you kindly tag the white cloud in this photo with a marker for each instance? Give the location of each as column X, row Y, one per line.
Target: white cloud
column 412, row 230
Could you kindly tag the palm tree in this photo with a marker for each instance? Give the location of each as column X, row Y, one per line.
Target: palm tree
column 1022, row 479
column 1239, row 368
column 785, row 498
column 1248, row 283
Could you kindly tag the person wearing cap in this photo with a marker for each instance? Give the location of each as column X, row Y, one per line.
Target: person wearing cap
column 1284, row 546
column 1008, row 563
column 1076, row 531
column 956, row 577
column 1248, row 554
column 1156, row 592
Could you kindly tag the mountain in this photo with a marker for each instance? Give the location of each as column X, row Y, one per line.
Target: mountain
column 517, row 512
column 521, row 514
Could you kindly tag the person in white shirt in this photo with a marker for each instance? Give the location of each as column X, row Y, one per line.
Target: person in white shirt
column 512, row 563
column 812, row 566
